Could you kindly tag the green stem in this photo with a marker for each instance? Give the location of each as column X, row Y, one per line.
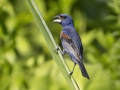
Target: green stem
column 52, row 45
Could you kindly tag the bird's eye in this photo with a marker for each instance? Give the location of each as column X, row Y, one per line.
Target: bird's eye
column 63, row 17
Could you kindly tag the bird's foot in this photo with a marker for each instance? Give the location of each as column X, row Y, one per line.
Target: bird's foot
column 56, row 49
column 70, row 73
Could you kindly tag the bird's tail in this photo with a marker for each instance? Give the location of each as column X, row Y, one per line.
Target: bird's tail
column 83, row 70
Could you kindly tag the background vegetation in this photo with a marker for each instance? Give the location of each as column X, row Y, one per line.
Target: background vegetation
column 25, row 61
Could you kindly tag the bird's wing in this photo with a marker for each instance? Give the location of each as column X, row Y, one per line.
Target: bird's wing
column 79, row 43
column 70, row 45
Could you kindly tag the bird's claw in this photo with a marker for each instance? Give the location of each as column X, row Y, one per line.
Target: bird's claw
column 58, row 48
column 70, row 73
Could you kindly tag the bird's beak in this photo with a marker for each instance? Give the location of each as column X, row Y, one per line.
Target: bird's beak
column 57, row 19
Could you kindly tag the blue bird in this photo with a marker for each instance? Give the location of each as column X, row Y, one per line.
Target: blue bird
column 71, row 42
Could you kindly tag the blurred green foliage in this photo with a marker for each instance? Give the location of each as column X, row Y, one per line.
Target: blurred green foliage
column 25, row 61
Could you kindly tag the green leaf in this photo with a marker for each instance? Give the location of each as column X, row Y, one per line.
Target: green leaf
column 52, row 45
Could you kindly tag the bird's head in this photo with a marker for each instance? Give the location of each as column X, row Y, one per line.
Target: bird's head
column 63, row 19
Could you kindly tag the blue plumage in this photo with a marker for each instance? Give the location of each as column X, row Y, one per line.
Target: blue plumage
column 71, row 42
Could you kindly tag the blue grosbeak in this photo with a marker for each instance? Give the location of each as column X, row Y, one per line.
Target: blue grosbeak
column 71, row 42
